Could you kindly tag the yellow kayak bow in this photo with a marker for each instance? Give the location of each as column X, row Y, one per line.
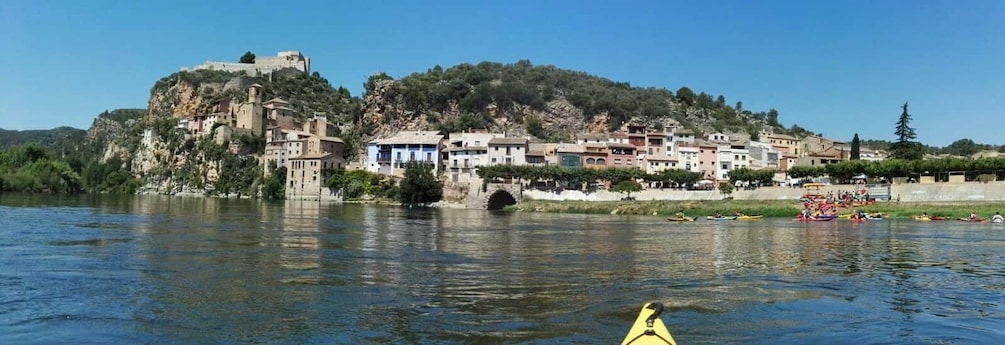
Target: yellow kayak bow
column 648, row 328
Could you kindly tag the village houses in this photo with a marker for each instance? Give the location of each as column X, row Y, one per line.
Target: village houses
column 713, row 155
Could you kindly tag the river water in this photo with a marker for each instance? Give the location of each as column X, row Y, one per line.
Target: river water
column 165, row 270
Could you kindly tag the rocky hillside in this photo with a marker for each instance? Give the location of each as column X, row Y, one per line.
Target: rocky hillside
column 545, row 102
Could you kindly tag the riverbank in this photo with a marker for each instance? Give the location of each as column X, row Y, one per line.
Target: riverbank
column 768, row 208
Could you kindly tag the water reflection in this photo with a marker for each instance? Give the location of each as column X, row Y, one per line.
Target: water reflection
column 195, row 270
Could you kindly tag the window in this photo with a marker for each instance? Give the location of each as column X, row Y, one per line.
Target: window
column 508, row 152
column 493, row 160
column 591, row 161
column 601, row 161
column 411, row 156
column 429, row 156
column 399, row 156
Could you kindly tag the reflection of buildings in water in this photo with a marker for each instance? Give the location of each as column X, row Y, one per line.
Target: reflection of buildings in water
column 772, row 249
column 300, row 235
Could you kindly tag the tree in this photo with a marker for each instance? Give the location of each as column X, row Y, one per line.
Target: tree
column 905, row 147
column 627, row 186
column 963, row 147
column 420, row 186
column 904, row 132
column 856, row 148
column 685, row 95
column 248, row 57
column 726, row 188
column 772, row 118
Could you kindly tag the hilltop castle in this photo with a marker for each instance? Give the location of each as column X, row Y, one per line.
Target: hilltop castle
column 283, row 61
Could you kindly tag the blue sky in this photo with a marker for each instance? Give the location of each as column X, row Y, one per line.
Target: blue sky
column 836, row 67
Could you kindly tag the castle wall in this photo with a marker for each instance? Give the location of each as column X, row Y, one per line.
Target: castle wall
column 262, row 65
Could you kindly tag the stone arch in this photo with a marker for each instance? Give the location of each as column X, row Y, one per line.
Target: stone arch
column 500, row 199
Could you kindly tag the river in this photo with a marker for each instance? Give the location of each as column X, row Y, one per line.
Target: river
column 169, row 270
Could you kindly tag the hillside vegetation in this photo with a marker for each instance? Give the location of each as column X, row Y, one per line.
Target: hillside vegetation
column 478, row 95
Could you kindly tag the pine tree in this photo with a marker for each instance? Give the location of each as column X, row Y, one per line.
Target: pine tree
column 904, row 132
column 248, row 57
column 905, row 147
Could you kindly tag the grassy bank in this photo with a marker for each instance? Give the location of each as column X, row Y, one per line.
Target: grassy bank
column 768, row 208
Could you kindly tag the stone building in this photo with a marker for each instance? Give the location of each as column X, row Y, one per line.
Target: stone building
column 283, row 62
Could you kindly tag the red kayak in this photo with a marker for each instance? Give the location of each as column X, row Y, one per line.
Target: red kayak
column 976, row 220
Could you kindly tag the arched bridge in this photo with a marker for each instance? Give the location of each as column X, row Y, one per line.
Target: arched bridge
column 494, row 196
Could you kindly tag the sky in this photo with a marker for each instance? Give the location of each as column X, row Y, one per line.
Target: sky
column 833, row 67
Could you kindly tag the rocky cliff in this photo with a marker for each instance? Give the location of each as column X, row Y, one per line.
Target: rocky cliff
column 520, row 99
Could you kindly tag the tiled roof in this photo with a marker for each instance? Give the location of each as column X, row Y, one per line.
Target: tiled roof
column 412, row 137
column 466, row 148
column 277, row 100
column 508, row 141
column 569, row 148
column 620, row 145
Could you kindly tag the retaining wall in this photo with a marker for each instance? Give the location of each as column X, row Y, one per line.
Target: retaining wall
column 910, row 192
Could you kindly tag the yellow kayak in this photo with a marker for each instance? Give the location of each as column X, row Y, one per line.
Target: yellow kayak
column 648, row 328
column 749, row 217
column 680, row 219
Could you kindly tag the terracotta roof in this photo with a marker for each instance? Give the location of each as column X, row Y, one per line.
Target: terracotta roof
column 508, row 141
column 412, row 137
column 782, row 136
column 592, row 136
column 277, row 100
column 618, row 135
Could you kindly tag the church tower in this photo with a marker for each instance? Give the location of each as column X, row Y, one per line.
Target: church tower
column 250, row 115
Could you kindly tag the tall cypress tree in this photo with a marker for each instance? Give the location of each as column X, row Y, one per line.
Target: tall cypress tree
column 856, row 148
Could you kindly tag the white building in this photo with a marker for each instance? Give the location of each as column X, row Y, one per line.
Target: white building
column 731, row 157
column 466, row 152
column 687, row 158
column 509, row 151
column 388, row 156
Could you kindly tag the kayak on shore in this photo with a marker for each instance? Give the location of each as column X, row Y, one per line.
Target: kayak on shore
column 649, row 328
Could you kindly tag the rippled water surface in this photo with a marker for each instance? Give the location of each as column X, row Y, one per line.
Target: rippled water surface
column 176, row 270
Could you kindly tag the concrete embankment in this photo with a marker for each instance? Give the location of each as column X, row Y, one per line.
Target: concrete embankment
column 912, row 192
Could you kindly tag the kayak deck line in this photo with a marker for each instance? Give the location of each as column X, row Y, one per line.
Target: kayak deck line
column 649, row 328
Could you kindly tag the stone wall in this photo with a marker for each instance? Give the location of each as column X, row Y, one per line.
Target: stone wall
column 262, row 65
column 908, row 192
